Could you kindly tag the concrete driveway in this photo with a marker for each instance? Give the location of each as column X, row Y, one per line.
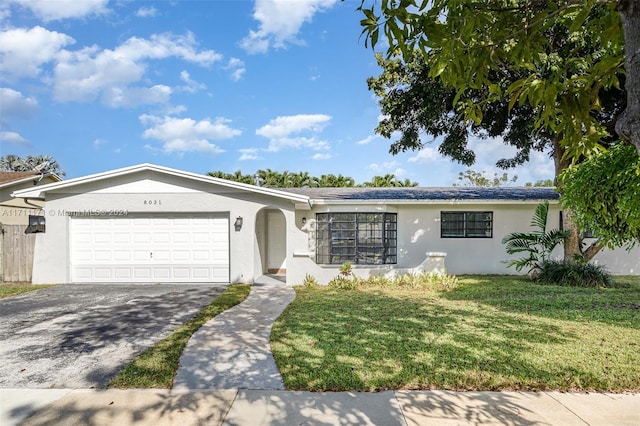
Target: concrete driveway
column 79, row 336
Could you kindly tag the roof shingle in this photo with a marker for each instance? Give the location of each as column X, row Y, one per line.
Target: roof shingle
column 6, row 177
column 425, row 193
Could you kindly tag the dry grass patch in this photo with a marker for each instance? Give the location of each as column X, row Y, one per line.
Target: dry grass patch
column 13, row 289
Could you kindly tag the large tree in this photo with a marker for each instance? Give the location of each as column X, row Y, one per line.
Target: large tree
column 467, row 40
column 611, row 211
column 545, row 75
column 474, row 178
column 416, row 106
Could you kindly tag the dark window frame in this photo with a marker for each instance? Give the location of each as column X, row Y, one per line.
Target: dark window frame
column 467, row 226
column 361, row 238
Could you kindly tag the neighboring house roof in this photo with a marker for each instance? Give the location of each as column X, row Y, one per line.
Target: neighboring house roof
column 426, row 195
column 40, row 191
column 12, row 178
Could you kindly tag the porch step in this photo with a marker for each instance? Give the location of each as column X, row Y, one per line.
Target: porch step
column 271, row 280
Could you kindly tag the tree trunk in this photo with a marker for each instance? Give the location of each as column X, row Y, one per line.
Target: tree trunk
column 572, row 250
column 628, row 125
column 592, row 250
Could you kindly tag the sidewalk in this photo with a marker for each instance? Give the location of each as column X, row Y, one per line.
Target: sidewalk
column 273, row 407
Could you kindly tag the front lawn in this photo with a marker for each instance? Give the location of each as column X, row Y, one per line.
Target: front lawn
column 490, row 333
column 8, row 290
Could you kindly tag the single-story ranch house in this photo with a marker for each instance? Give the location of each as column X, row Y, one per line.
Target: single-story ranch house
column 148, row 223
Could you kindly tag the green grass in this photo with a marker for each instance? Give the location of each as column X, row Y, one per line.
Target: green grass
column 8, row 290
column 489, row 333
column 157, row 367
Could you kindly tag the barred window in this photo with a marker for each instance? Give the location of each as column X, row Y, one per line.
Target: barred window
column 359, row 238
column 466, row 224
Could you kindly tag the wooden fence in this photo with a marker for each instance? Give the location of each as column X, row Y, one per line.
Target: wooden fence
column 17, row 253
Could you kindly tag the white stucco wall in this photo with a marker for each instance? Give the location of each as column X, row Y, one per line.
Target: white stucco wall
column 419, row 234
column 149, row 192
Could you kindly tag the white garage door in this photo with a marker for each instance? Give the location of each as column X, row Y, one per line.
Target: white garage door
column 150, row 249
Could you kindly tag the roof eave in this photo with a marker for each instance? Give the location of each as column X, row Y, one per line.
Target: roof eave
column 29, row 179
column 41, row 191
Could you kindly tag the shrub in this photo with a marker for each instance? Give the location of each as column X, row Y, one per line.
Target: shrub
column 537, row 244
column 346, row 269
column 574, row 275
column 343, row 282
column 426, row 280
column 310, row 281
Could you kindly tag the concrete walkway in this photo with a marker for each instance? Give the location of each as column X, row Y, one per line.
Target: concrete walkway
column 232, row 351
column 159, row 407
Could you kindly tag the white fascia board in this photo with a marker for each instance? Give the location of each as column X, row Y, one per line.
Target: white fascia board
column 40, row 191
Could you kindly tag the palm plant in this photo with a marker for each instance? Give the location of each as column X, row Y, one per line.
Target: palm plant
column 537, row 244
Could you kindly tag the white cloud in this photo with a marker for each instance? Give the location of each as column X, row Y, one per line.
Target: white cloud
column 147, row 12
column 13, row 138
column 181, row 146
column 53, row 10
column 322, row 156
column 367, row 140
column 236, row 75
column 285, row 126
column 236, row 66
column 192, row 86
column 385, row 166
column 284, row 132
column 313, row 143
column 425, row 156
column 248, row 154
column 97, row 143
column 280, row 22
column 489, row 151
column 117, row 97
column 24, row 51
column 85, row 74
column 14, row 104
column 174, row 110
column 185, row 134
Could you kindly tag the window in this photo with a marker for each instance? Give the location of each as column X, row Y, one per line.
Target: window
column 466, row 224
column 359, row 238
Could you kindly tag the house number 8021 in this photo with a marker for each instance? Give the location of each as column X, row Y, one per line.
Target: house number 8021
column 152, row 202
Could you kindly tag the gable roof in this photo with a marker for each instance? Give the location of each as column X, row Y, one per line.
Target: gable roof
column 40, row 191
column 12, row 178
column 411, row 195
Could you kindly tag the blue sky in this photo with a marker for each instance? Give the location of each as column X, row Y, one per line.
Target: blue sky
column 204, row 86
